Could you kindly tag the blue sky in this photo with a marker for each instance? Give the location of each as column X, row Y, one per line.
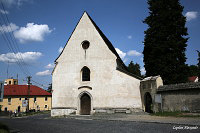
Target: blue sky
column 41, row 27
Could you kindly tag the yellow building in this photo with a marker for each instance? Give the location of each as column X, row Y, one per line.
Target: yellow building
column 21, row 97
column 11, row 82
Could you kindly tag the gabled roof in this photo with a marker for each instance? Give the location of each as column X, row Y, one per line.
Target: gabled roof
column 151, row 78
column 193, row 79
column 120, row 64
column 22, row 90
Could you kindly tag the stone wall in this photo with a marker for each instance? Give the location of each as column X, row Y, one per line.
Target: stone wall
column 180, row 97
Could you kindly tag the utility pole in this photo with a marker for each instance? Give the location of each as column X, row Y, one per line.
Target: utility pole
column 7, row 69
column 29, row 83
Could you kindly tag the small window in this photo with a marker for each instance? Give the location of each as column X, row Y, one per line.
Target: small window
column 35, row 99
column 9, row 100
column 20, row 98
column 85, row 44
column 5, row 109
column 45, row 106
column 85, row 74
column 46, row 98
column 9, row 82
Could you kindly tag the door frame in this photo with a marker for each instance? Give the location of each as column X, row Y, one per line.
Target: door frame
column 148, row 102
column 79, row 102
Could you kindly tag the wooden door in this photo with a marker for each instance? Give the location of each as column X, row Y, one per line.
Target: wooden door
column 85, row 104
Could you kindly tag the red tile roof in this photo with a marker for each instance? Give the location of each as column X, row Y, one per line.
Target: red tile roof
column 192, row 79
column 16, row 90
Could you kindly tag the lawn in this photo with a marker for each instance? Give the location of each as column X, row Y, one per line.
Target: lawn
column 4, row 128
column 176, row 114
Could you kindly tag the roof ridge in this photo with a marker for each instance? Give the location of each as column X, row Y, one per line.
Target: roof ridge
column 111, row 47
column 107, row 42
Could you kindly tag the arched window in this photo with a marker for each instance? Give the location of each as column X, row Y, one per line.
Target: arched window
column 85, row 74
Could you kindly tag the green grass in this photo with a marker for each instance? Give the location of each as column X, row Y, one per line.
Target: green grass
column 4, row 128
column 176, row 114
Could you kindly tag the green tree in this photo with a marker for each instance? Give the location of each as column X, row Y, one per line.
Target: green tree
column 165, row 41
column 49, row 88
column 198, row 64
column 193, row 70
column 134, row 68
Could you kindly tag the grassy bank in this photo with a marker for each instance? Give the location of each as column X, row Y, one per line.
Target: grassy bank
column 4, row 128
column 176, row 114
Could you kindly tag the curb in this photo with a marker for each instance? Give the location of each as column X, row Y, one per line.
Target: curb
column 177, row 123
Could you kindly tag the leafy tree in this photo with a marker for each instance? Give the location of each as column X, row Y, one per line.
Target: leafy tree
column 49, row 88
column 193, row 70
column 165, row 41
column 134, row 68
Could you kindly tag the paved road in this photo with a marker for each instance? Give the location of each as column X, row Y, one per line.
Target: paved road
column 45, row 124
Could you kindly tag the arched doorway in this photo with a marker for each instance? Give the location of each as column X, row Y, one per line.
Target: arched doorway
column 148, row 102
column 85, row 107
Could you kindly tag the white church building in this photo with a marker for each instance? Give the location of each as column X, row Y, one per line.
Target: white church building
column 90, row 77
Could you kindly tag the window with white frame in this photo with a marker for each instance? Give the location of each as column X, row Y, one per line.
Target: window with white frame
column 9, row 100
column 35, row 99
column 85, row 74
column 46, row 98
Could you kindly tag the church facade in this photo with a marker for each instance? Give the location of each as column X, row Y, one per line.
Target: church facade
column 90, row 77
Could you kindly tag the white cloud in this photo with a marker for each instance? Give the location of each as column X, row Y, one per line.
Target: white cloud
column 43, row 73
column 60, row 49
column 32, row 32
column 121, row 53
column 28, row 57
column 191, row 15
column 125, row 60
column 10, row 3
column 129, row 37
column 143, row 71
column 8, row 28
column 134, row 53
column 50, row 65
column 4, row 12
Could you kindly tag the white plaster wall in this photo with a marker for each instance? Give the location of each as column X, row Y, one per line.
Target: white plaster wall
column 110, row 87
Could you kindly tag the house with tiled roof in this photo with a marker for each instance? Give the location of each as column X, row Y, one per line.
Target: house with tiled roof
column 193, row 79
column 22, row 97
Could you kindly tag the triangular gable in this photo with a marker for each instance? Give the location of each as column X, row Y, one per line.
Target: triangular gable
column 120, row 64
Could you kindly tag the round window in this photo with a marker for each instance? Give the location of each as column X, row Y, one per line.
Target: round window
column 85, row 44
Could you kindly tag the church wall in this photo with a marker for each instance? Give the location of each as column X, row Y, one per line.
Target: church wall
column 110, row 88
